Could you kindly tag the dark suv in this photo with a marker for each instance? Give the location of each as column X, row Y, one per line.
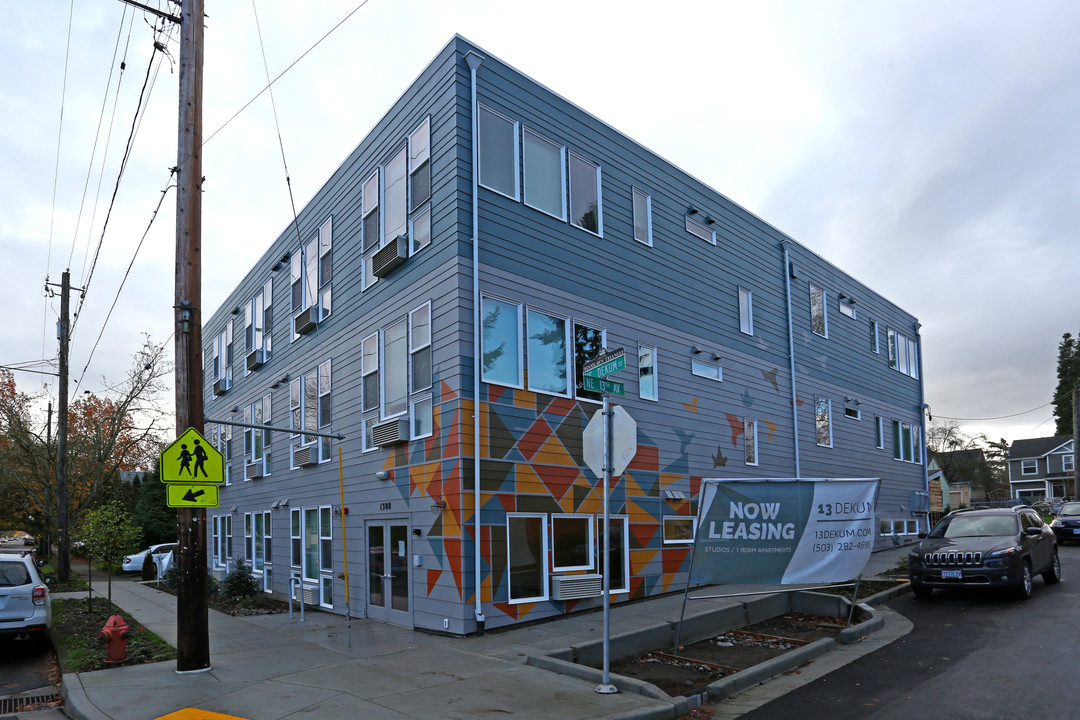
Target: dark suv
column 985, row 548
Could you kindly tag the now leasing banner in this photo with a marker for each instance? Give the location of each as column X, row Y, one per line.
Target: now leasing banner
column 783, row 531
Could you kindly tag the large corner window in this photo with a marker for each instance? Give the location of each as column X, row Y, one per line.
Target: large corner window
column 500, row 343
column 547, row 352
column 585, row 208
column 526, row 557
column 823, row 421
column 498, row 152
column 571, row 542
column 543, row 163
column 588, row 344
column 642, row 216
column 647, row 379
column 903, row 353
column 746, row 311
column 819, row 320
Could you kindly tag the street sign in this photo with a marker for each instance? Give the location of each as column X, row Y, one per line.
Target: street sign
column 607, row 364
column 192, row 459
column 623, row 441
column 194, row 495
column 611, row 387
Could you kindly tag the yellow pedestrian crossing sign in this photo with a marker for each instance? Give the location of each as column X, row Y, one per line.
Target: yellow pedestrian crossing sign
column 192, row 459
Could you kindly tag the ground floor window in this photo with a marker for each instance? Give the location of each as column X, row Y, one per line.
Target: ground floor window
column 678, row 530
column 526, row 557
column 619, row 544
column 898, row 526
column 571, row 542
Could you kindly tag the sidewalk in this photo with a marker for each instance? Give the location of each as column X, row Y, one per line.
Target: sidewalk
column 273, row 667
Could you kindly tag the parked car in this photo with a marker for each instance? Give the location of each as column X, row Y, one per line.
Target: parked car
column 29, row 540
column 985, row 548
column 1066, row 525
column 134, row 562
column 25, row 610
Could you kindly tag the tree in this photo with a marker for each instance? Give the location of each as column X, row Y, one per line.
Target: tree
column 109, row 532
column 152, row 511
column 1068, row 374
column 963, row 458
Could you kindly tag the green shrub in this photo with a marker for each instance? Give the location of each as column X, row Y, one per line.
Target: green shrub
column 170, row 580
column 240, row 582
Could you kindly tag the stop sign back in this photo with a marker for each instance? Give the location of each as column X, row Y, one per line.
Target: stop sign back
column 623, row 441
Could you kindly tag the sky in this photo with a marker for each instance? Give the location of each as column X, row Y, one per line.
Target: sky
column 926, row 148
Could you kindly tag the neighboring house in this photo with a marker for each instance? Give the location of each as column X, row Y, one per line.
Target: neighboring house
column 1042, row 468
column 959, row 495
column 968, row 466
column 442, row 326
column 939, row 488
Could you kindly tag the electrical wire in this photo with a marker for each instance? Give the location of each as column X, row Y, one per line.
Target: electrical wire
column 1012, row 415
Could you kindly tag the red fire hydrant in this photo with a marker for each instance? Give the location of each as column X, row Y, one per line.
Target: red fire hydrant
column 115, row 635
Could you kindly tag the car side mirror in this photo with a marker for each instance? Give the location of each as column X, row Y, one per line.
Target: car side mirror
column 922, row 535
column 40, row 563
column 49, row 580
column 1032, row 531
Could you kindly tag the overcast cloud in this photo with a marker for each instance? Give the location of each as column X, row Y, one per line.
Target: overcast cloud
column 927, row 148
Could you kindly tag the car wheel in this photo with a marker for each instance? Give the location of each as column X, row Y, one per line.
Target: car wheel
column 923, row 592
column 1023, row 589
column 1053, row 573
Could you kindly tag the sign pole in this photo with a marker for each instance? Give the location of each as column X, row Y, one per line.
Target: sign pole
column 606, row 687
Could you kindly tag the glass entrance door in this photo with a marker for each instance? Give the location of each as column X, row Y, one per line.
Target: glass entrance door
column 388, row 571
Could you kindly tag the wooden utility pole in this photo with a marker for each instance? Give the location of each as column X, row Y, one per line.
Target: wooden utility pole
column 63, row 560
column 192, row 625
column 1076, row 442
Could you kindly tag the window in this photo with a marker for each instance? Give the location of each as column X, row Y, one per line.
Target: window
column 588, row 344
column 395, row 364
column 823, row 421
column 898, row 527
column 571, row 542
column 526, row 557
column 585, row 209
column 1068, row 463
column 501, row 342
column 547, row 352
column 222, row 539
column 819, row 321
column 420, row 187
column 372, row 231
column 369, row 368
column 394, row 196
column 678, row 530
column 310, row 408
column 498, row 152
column 420, row 379
column 880, row 432
column 707, row 370
column 311, row 272
column 543, row 163
column 1029, row 467
column 326, row 267
column 257, row 442
column 853, row 413
column 846, row 307
column 903, row 353
column 875, row 344
column 295, row 541
column 222, row 355
column 647, row 380
column 311, row 544
column 221, row 438
column 620, row 552
column 907, row 442
column 699, row 228
column 258, row 320
column 746, row 311
column 642, row 216
column 750, row 441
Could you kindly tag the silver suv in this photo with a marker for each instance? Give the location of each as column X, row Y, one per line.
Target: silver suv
column 25, row 610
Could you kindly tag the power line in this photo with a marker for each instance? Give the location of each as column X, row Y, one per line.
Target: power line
column 1012, row 415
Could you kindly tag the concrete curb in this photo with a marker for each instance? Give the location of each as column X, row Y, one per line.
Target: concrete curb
column 732, row 684
column 857, row 632
column 886, row 595
column 77, row 704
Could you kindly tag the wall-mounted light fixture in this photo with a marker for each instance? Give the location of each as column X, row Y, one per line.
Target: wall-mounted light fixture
column 236, row 310
column 236, row 408
column 438, row 505
column 382, row 475
column 691, row 210
column 232, row 510
column 695, row 349
column 710, row 220
column 717, row 356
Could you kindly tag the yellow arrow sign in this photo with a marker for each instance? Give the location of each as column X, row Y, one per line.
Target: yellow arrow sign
column 192, row 459
column 198, row 495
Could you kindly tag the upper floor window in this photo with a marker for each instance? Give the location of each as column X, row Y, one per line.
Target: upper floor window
column 903, row 353
column 222, row 354
column 258, row 321
column 879, row 432
column 420, row 187
column 819, row 320
column 700, row 228
column 823, row 421
column 746, row 311
column 498, row 152
column 642, row 216
column 585, row 195
column 545, row 177
column 1029, row 467
column 257, row 441
column 647, row 379
column 750, row 447
column 311, row 272
column 500, row 342
column 395, row 368
column 310, row 409
column 875, row 343
column 907, row 442
column 846, row 307
column 1068, row 463
column 420, row 376
column 707, row 370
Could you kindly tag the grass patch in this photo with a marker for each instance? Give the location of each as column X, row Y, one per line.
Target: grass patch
column 74, row 583
column 75, row 630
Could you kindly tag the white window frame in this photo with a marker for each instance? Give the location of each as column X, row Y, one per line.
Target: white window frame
column 296, row 539
column 222, row 354
column 680, row 520
column 641, row 202
column 516, row 170
column 819, row 303
column 697, row 228
column 568, row 358
column 819, row 404
column 853, row 413
column 590, row 541
column 519, row 338
column 648, row 351
column 369, row 365
column 880, row 439
column 750, row 443
column 746, row 310
column 543, row 558
column 1068, row 462
column 708, row 370
column 875, row 338
column 371, row 207
column 419, row 208
column 846, row 308
column 1034, row 467
column 571, row 156
column 903, row 353
column 563, row 179
column 613, row 520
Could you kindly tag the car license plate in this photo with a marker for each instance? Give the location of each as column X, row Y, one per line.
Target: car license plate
column 952, row 574
column 1076, row 531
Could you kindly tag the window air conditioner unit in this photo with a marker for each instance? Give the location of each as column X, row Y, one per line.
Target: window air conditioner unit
column 221, row 386
column 305, row 595
column 254, row 472
column 390, row 433
column 302, row 456
column 255, row 359
column 576, row 587
column 306, row 320
column 385, row 260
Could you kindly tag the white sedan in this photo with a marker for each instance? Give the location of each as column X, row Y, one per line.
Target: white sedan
column 134, row 562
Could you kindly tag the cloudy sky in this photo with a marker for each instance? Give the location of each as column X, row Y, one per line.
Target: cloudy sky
column 928, row 148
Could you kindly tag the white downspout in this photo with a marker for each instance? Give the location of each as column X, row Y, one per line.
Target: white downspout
column 791, row 358
column 474, row 61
